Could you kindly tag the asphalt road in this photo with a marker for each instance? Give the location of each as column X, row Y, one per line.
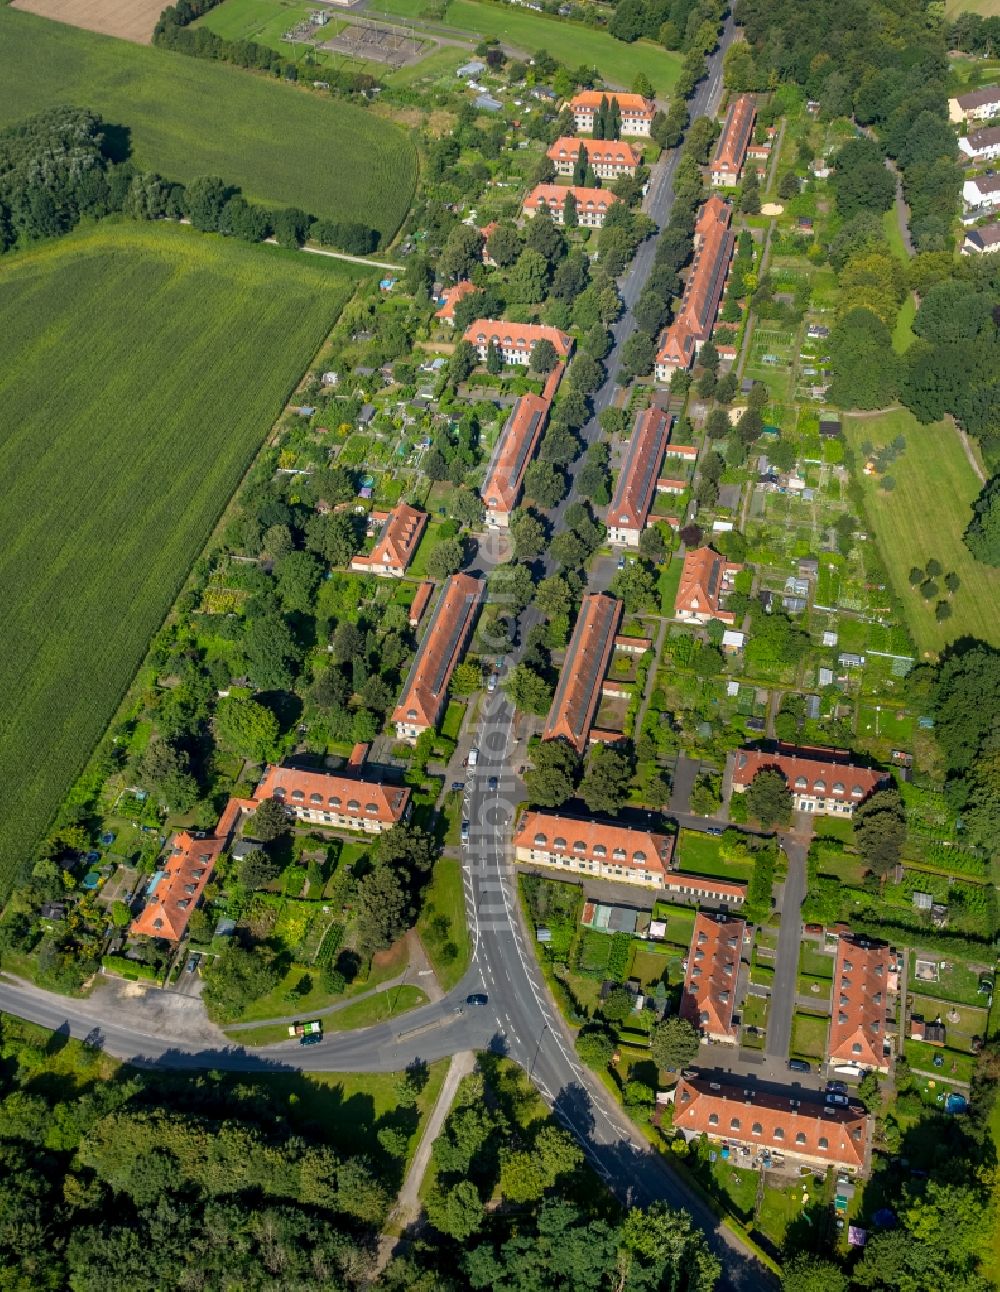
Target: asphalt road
column 519, row 1018
column 786, row 961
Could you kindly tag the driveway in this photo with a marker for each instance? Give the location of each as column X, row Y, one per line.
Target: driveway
column 786, row 964
column 685, row 774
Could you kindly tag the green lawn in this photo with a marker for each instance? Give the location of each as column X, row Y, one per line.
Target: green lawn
column 572, row 43
column 698, row 853
column 960, row 1031
column 442, row 926
column 191, row 117
column 955, row 1066
column 923, row 517
column 903, row 335
column 809, row 1035
column 127, row 423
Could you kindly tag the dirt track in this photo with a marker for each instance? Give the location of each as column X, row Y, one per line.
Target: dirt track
column 129, row 19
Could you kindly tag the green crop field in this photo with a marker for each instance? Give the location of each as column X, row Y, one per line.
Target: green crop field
column 189, row 117
column 140, row 369
column 924, row 516
column 572, row 43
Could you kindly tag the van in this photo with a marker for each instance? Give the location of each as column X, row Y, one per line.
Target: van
column 473, row 756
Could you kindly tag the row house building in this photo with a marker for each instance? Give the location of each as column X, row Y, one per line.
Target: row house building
column 514, row 449
column 691, row 328
column 397, row 541
column 592, row 204
column 581, row 677
column 600, row 849
column 636, row 112
column 726, row 165
column 637, row 480
column 822, row 781
column 440, row 651
column 607, row 158
column 515, row 341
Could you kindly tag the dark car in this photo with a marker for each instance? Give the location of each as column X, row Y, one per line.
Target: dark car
column 837, row 1087
column 492, row 783
column 457, row 786
column 477, row 998
column 714, row 829
column 799, row 1065
column 311, row 1038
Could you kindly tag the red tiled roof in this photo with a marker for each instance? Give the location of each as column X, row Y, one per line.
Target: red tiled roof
column 631, row 105
column 419, row 603
column 330, row 792
column 553, row 196
column 860, row 1001
column 697, row 885
column 185, row 873
column 398, row 540
column 703, row 289
column 600, row 841
column 577, row 695
column 735, row 137
column 637, row 479
column 702, row 583
column 514, row 449
column 517, row 336
column 713, row 971
column 600, row 152
column 826, row 772
column 772, row 1122
column 426, row 686
column 451, row 296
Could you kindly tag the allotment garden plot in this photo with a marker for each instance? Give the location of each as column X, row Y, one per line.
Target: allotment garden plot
column 140, row 369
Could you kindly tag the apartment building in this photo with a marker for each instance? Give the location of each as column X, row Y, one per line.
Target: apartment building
column 578, row 694
column 636, row 112
column 712, row 975
column 426, row 688
column 607, row 158
column 863, row 1020
column 822, row 781
column 592, row 204
column 705, row 580
column 332, row 799
column 731, row 151
column 706, row 281
column 515, row 340
column 600, row 849
column 397, row 541
column 771, row 1129
column 636, row 485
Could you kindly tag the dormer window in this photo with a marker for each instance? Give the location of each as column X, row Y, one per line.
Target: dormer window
column 315, row 798
column 540, row 840
column 823, row 1142
column 298, row 795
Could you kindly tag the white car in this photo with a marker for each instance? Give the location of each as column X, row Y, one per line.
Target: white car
column 491, row 684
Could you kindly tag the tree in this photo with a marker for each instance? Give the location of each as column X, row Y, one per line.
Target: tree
column 638, row 353
column 457, row 1212
column 617, row 1005
column 551, row 779
column 527, row 279
column 526, row 1175
column 543, row 356
column 504, row 245
column 461, row 365
column 706, row 795
column 750, row 196
column 544, row 484
column 446, row 559
column 606, row 780
column 257, row 870
column 462, row 252
column 121, row 916
column 269, row 821
column 246, row 728
column 769, row 799
column 942, row 611
column 528, row 532
column 674, row 1043
column 381, row 910
column 652, row 545
column 636, row 586
column 595, row 1047
column 860, row 181
column 866, row 369
column 805, row 1273
column 291, row 226
column 982, row 535
column 271, row 651
column 239, row 976
column 880, row 830
column 494, row 359
column 204, row 200
column 529, row 690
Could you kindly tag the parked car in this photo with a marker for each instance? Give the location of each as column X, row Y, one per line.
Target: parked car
column 714, row 830
column 473, row 756
column 192, row 964
column 799, row 1065
column 491, row 683
column 457, row 787
column 839, row 1086
column 311, row 1038
column 465, row 832
column 841, row 1101
column 621, row 562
